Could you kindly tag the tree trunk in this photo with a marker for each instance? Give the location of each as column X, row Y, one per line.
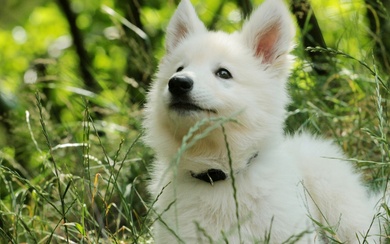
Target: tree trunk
column 78, row 41
column 311, row 34
column 378, row 18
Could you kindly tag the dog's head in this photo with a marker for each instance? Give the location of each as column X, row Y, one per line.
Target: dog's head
column 214, row 74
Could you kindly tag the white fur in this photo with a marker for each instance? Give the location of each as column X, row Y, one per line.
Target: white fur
column 292, row 181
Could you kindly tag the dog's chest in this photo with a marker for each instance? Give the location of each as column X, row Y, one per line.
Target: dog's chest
column 204, row 210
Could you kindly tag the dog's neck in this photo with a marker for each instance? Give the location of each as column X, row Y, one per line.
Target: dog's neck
column 213, row 175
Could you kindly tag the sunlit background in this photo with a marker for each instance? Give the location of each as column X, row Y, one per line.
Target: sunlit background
column 72, row 167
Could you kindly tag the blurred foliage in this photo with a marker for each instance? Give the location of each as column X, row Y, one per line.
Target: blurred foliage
column 97, row 129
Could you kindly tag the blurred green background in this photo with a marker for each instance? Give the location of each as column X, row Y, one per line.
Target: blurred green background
column 73, row 78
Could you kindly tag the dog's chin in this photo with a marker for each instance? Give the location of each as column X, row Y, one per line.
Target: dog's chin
column 187, row 109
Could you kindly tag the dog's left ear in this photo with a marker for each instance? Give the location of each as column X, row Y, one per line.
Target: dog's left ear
column 270, row 32
column 183, row 23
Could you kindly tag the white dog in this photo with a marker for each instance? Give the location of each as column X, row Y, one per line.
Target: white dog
column 225, row 171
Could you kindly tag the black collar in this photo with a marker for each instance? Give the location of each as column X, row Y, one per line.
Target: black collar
column 213, row 175
column 210, row 176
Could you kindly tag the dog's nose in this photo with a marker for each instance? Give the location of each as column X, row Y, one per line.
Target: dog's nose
column 180, row 85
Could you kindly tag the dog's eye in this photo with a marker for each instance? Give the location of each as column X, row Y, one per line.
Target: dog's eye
column 179, row 69
column 223, row 73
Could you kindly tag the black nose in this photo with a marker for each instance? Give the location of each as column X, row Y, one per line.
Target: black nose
column 180, row 85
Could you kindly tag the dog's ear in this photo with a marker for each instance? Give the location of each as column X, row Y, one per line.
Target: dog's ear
column 183, row 23
column 270, row 31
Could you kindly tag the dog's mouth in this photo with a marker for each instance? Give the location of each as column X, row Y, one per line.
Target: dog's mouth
column 182, row 107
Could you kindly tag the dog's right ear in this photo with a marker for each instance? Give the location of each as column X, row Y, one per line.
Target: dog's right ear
column 183, row 23
column 270, row 32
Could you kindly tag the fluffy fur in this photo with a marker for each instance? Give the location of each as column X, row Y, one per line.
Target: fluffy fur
column 292, row 186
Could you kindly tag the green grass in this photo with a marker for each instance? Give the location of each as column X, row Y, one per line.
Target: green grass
column 90, row 187
column 72, row 166
column 80, row 190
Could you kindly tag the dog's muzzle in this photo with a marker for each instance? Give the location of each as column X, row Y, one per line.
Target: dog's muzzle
column 180, row 87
